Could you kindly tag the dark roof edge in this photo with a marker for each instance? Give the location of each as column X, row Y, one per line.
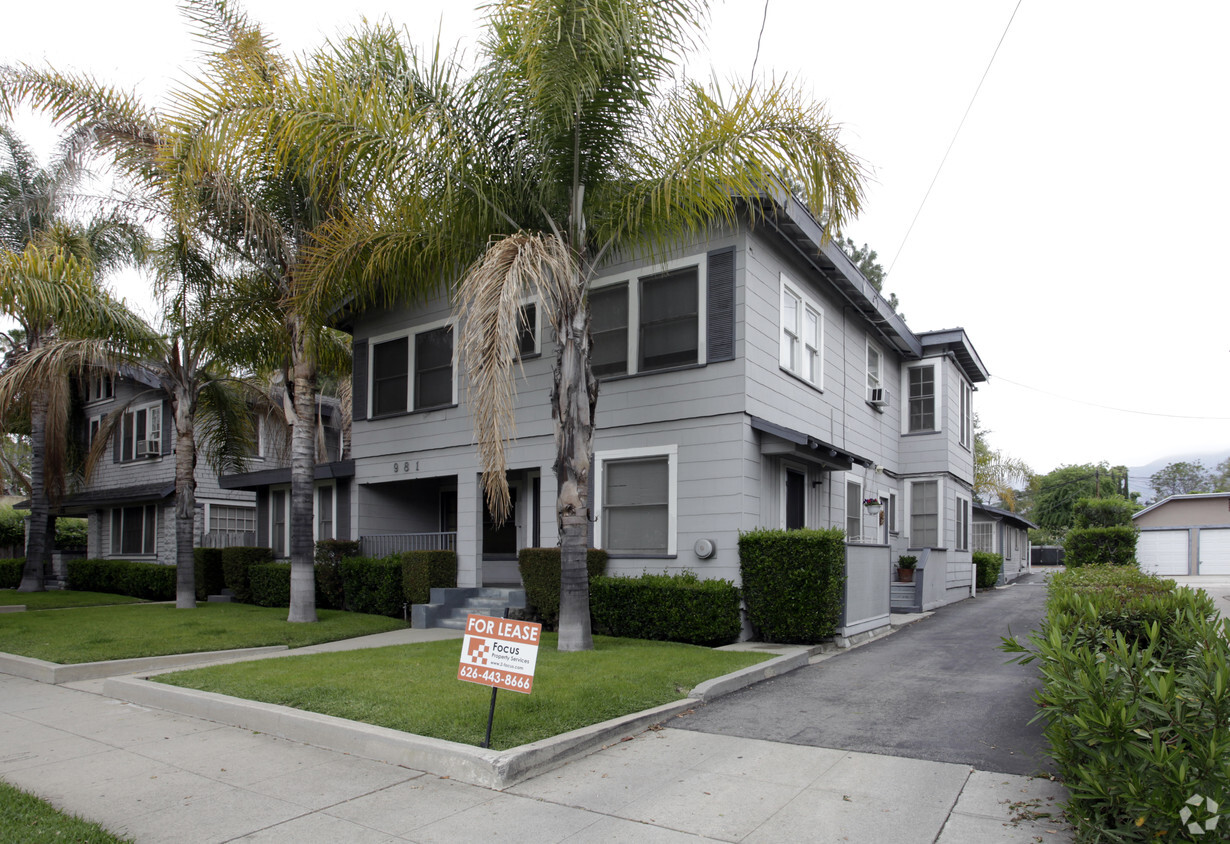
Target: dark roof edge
column 800, row 438
column 1006, row 514
column 281, row 475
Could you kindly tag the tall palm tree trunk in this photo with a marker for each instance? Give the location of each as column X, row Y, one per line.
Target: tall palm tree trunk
column 185, row 506
column 574, row 395
column 40, row 509
column 302, row 475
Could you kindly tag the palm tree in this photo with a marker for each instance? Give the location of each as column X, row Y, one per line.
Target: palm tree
column 48, row 262
column 572, row 143
column 217, row 177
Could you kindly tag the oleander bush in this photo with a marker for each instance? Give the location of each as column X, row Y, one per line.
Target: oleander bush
column 540, row 575
column 150, row 581
column 1135, row 700
column 793, row 582
column 235, row 563
column 989, row 567
column 269, row 584
column 669, row 607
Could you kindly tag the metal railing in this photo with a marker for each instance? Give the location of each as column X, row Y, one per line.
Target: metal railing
column 382, row 545
column 227, row 539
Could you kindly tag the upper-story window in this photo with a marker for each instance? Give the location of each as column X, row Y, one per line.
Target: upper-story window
column 967, row 414
column 99, row 388
column 922, row 398
column 649, row 323
column 413, row 372
column 875, row 377
column 528, row 342
column 141, row 432
column 802, row 326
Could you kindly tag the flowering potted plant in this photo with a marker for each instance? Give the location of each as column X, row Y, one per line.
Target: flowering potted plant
column 873, row 505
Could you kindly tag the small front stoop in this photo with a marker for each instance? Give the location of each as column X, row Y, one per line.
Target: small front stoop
column 449, row 607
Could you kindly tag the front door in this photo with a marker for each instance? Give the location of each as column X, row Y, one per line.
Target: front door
column 796, row 499
column 501, row 543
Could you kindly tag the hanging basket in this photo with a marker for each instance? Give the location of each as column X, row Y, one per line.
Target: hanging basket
column 873, row 507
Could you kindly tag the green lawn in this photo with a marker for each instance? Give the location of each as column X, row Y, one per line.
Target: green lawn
column 102, row 633
column 30, row 820
column 55, row 599
column 414, row 688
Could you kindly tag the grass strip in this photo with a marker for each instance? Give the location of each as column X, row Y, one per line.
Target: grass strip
column 58, row 599
column 26, row 818
column 92, row 634
column 414, row 688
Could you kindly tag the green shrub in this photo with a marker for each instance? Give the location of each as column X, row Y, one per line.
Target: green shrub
column 674, row 608
column 207, row 569
column 423, row 571
column 1103, row 512
column 374, row 585
column 269, row 584
column 793, row 582
column 1100, row 546
column 72, row 533
column 235, row 563
column 150, row 581
column 989, row 566
column 10, row 572
column 12, row 528
column 1135, row 699
column 907, row 561
column 329, row 555
column 540, row 572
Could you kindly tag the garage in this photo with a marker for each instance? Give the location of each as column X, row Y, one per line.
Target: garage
column 1163, row 551
column 1215, row 551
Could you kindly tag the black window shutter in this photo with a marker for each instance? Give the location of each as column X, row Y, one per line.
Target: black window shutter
column 168, row 422
column 358, row 390
column 720, row 331
column 116, row 439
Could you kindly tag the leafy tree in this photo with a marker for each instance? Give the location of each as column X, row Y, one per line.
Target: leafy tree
column 996, row 475
column 573, row 142
column 867, row 261
column 1053, row 496
column 209, row 156
column 1220, row 477
column 1181, row 478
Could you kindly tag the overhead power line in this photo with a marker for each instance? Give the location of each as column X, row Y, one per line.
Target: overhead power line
column 1115, row 409
column 954, row 137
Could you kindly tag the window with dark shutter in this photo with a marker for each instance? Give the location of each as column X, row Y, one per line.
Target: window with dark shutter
column 433, row 368
column 668, row 329
column 720, row 304
column 358, row 376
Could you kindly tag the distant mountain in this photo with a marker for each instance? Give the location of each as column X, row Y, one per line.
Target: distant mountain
column 1138, row 476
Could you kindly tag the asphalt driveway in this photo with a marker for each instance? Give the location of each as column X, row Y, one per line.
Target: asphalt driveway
column 939, row 689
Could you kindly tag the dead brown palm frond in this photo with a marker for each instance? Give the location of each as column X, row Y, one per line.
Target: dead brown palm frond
column 490, row 297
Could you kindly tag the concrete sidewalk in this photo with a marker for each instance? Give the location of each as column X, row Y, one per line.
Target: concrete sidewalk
column 160, row 777
column 156, row 776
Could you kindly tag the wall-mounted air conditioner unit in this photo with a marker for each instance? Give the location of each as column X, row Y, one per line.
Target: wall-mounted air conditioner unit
column 149, row 448
column 878, row 396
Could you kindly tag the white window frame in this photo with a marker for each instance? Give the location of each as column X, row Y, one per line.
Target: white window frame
column 990, row 532
column 893, row 526
column 939, row 516
column 875, row 380
column 858, row 514
column 112, row 550
column 273, row 520
column 671, row 453
column 210, row 506
column 93, row 425
column 633, row 279
column 532, row 301
column 964, row 514
column 788, row 466
column 937, row 380
column 100, row 388
column 799, row 353
column 151, row 432
column 316, row 520
column 411, row 397
column 967, row 415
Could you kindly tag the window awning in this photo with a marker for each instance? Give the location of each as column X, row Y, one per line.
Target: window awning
column 807, row 447
column 92, row 499
column 279, row 476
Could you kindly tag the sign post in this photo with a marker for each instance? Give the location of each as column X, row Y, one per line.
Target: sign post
column 499, row 653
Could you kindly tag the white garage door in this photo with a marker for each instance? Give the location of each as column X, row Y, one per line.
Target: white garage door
column 1215, row 551
column 1162, row 551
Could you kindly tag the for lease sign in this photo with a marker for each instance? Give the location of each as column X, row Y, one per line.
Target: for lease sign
column 499, row 652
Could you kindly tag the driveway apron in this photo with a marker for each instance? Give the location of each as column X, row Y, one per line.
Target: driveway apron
column 939, row 689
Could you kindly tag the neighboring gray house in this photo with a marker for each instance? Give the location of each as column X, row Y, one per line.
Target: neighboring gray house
column 130, row 498
column 753, row 379
column 1005, row 533
column 1185, row 534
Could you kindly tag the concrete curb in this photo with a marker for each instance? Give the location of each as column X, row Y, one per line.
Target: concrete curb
column 55, row 674
column 13, row 608
column 463, row 762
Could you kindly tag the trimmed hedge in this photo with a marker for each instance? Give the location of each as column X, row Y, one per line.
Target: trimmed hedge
column 1114, row 511
column 207, row 569
column 673, row 608
column 235, row 563
column 1101, row 546
column 330, row 594
column 374, row 585
column 793, row 582
column 12, row 527
column 10, row 572
column 423, row 571
column 540, row 575
column 72, row 532
column 989, row 566
column 269, row 584
column 151, row 581
column 1136, row 701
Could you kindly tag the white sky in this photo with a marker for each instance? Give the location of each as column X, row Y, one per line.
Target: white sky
column 1072, row 232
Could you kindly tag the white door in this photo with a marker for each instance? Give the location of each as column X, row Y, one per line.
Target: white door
column 1215, row 551
column 1162, row 551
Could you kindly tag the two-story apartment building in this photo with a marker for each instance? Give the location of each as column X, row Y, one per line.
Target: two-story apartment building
column 751, row 379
